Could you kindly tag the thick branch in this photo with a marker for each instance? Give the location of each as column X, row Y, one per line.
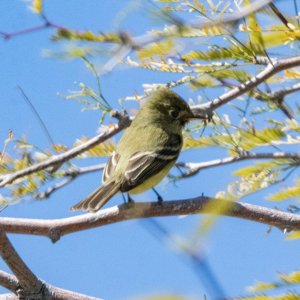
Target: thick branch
column 49, row 292
column 9, row 281
column 28, row 282
column 54, row 229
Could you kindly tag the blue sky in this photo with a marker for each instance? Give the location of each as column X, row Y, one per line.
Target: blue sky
column 124, row 260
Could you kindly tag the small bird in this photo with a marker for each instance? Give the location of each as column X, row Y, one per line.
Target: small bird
column 147, row 150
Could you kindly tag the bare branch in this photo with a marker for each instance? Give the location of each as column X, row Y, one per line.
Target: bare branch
column 194, row 168
column 269, row 71
column 70, row 174
column 61, row 158
column 9, row 281
column 73, row 172
column 286, row 91
column 47, row 193
column 275, row 97
column 29, row 283
column 54, row 229
column 49, row 292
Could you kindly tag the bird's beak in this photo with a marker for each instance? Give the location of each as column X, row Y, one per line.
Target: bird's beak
column 197, row 114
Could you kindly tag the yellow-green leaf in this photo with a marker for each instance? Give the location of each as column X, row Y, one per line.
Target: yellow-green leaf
column 25, row 188
column 37, row 6
column 255, row 36
column 59, row 148
column 250, row 140
column 288, row 296
column 103, row 149
column 217, row 53
column 262, row 286
column 159, row 49
column 292, row 74
column 293, row 278
column 86, row 36
column 289, row 192
column 294, row 235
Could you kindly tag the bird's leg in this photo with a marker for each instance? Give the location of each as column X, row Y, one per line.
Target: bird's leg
column 124, row 200
column 159, row 197
column 129, row 199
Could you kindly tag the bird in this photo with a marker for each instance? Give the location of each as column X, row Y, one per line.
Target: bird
column 147, row 150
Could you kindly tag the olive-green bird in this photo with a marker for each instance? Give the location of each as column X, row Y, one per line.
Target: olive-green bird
column 146, row 152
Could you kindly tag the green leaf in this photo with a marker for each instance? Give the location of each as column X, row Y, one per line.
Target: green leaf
column 103, row 149
column 249, row 140
column 159, row 49
column 255, row 35
column 287, row 193
column 294, row 235
column 292, row 278
column 28, row 186
column 203, row 80
column 37, row 6
column 260, row 166
column 262, row 286
column 287, row 296
column 238, row 75
column 218, row 53
column 88, row 36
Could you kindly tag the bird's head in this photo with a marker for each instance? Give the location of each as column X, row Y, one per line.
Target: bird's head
column 168, row 107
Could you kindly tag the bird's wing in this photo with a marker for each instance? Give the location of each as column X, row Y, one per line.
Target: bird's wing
column 143, row 165
column 110, row 166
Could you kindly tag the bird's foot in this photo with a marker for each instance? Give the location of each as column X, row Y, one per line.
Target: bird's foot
column 159, row 197
column 130, row 201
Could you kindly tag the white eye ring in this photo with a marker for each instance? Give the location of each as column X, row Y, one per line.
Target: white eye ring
column 174, row 114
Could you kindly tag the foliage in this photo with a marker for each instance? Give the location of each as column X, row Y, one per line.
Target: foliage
column 210, row 57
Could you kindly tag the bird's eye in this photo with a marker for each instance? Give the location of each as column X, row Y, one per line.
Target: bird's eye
column 174, row 114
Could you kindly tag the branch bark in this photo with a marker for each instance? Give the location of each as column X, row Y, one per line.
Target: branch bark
column 271, row 69
column 28, row 282
column 9, row 281
column 61, row 158
column 49, row 292
column 55, row 229
column 194, row 168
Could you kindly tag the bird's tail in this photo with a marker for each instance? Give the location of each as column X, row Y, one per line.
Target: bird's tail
column 98, row 198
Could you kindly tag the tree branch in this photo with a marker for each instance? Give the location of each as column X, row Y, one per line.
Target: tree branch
column 54, row 229
column 271, row 69
column 71, row 174
column 9, row 281
column 194, row 168
column 49, row 292
column 61, row 158
column 28, row 282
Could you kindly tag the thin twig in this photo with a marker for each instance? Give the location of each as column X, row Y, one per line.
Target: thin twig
column 71, row 174
column 194, row 168
column 38, row 117
column 61, row 158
